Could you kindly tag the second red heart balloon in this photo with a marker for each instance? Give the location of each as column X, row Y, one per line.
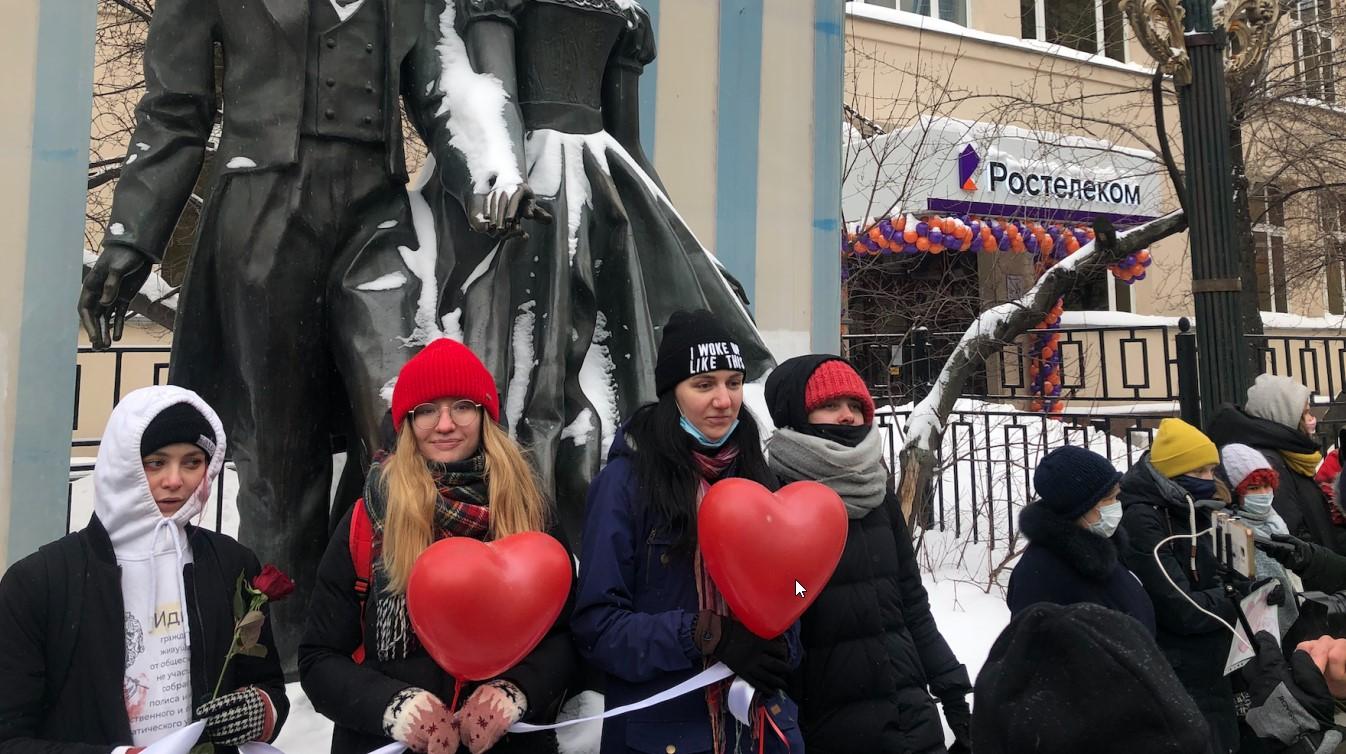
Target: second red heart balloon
column 770, row 554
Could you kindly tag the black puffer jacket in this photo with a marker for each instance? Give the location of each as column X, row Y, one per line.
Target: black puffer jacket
column 1298, row 499
column 1195, row 644
column 872, row 652
column 355, row 695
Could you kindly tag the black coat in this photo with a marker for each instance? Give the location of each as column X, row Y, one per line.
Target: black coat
column 1066, row 564
column 1298, row 499
column 872, row 652
column 1195, row 644
column 62, row 626
column 354, row 696
column 265, row 49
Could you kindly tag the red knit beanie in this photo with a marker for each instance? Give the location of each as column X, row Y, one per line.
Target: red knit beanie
column 443, row 369
column 836, row 379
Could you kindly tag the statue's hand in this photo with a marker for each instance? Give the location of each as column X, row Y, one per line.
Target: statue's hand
column 498, row 212
column 107, row 292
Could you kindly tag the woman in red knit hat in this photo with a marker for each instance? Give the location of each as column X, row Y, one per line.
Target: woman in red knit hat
column 453, row 472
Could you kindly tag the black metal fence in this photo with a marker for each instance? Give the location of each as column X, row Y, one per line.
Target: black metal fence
column 1118, row 383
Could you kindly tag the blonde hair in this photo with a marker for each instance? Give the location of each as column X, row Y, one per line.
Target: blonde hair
column 513, row 496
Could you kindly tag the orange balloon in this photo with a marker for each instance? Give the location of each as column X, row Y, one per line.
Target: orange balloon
column 1143, row 255
column 923, row 244
column 1046, row 243
column 909, row 235
column 900, row 223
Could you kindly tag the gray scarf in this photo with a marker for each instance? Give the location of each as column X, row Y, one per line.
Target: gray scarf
column 856, row 474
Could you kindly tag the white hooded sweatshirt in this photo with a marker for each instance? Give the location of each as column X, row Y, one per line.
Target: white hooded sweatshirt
column 152, row 550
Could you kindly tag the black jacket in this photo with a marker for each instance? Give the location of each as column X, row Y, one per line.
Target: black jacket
column 265, row 50
column 1195, row 644
column 354, row 696
column 872, row 652
column 1066, row 564
column 1298, row 499
column 63, row 632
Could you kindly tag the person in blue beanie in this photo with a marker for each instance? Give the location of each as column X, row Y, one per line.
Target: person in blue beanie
column 1074, row 540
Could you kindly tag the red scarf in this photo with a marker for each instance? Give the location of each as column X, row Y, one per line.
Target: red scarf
column 708, row 597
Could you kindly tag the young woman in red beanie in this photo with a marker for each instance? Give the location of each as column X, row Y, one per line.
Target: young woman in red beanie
column 874, row 659
column 647, row 613
column 453, row 472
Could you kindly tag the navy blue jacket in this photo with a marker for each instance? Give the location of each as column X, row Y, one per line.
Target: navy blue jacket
column 635, row 606
column 1066, row 564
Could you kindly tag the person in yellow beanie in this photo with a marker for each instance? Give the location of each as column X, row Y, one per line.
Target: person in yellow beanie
column 1172, row 490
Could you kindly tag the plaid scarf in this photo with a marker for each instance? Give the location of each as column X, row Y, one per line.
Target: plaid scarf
column 711, row 469
column 460, row 511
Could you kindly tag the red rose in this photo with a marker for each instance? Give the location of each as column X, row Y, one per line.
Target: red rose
column 273, row 583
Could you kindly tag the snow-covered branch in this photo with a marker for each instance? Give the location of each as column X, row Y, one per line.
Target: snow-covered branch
column 1000, row 325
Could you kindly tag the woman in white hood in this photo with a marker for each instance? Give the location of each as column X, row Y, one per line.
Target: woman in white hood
column 115, row 636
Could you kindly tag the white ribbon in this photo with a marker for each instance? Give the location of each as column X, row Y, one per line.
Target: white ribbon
column 740, row 698
column 717, row 672
column 740, row 701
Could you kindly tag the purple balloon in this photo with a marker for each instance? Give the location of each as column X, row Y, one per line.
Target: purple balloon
column 1031, row 242
column 976, row 228
column 909, row 249
column 953, row 243
column 1004, row 244
column 922, row 228
column 1141, row 276
column 936, row 236
column 997, row 232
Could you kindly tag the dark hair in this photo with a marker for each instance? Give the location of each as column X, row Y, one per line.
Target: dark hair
column 667, row 474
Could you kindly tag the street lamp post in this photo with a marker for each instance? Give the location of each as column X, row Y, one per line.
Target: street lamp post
column 1192, row 40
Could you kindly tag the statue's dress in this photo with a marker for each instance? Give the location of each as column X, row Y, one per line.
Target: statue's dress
column 569, row 319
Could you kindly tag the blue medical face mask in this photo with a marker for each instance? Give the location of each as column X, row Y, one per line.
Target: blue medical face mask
column 1258, row 506
column 700, row 437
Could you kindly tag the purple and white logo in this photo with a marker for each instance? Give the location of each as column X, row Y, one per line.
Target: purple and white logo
column 968, row 162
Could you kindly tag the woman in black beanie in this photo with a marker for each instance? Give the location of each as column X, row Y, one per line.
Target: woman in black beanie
column 647, row 613
column 1073, row 539
column 873, row 655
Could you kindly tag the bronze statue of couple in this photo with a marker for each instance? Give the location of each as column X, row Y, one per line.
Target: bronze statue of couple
column 550, row 246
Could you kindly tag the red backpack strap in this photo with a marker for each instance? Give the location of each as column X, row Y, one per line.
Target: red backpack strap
column 362, row 558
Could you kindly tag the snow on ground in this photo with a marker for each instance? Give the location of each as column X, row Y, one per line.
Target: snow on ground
column 965, row 579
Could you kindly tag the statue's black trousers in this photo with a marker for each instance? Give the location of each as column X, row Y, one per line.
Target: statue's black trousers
column 276, row 333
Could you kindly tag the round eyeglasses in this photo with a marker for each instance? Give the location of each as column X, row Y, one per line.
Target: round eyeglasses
column 463, row 413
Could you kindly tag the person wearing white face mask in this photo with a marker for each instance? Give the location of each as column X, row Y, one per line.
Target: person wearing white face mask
column 1254, row 483
column 1073, row 539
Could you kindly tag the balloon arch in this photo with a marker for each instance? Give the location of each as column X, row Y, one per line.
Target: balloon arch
column 1049, row 243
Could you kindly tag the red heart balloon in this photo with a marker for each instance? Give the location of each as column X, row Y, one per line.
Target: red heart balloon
column 479, row 607
column 763, row 548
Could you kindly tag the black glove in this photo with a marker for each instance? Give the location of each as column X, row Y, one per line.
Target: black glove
column 1290, row 551
column 959, row 717
column 236, row 718
column 1290, row 700
column 765, row 663
column 1240, row 586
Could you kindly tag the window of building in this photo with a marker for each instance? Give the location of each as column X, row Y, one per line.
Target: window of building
column 1097, row 27
column 945, row 10
column 1268, row 217
column 1332, row 219
column 1314, row 69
